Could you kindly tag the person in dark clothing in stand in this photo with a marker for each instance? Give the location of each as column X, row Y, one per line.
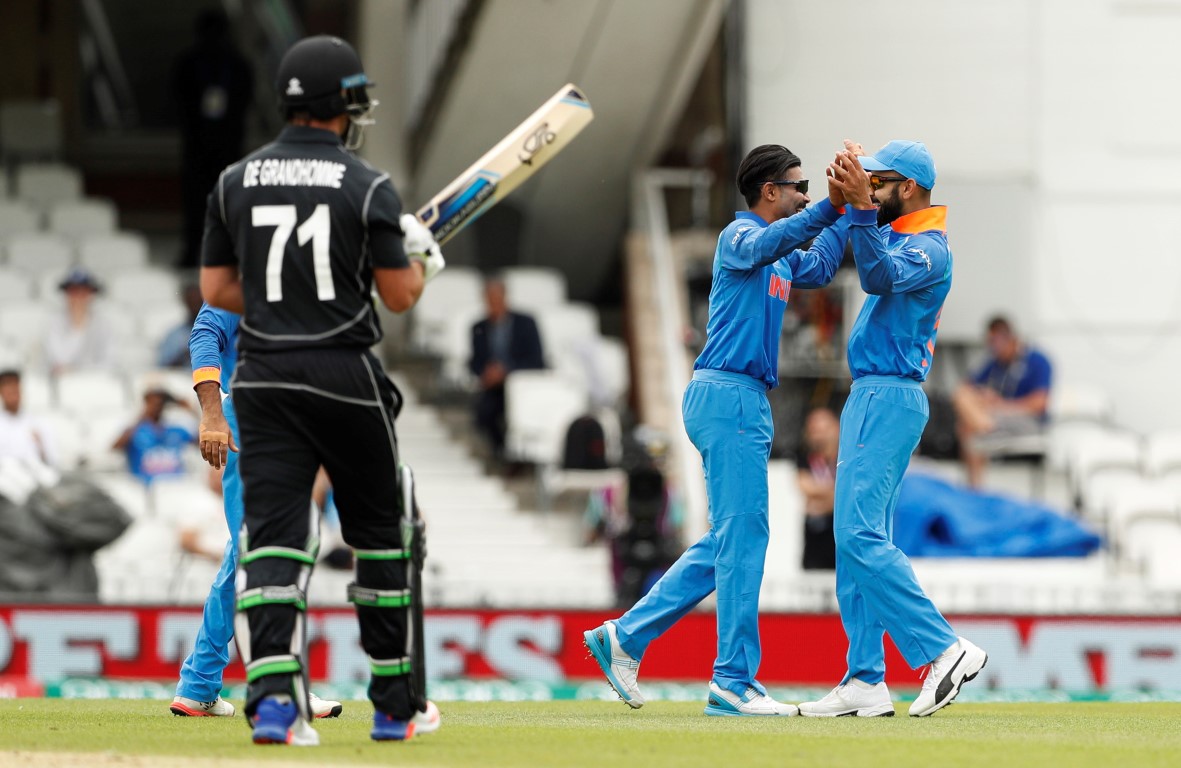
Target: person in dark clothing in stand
column 817, row 477
column 503, row 342
column 214, row 84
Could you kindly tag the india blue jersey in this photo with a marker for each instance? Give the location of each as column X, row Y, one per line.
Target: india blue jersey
column 213, row 345
column 905, row 267
column 754, row 267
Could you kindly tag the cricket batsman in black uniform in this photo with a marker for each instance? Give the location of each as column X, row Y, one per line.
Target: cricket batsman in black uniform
column 297, row 235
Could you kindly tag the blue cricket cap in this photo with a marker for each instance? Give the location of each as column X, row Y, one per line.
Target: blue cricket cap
column 910, row 158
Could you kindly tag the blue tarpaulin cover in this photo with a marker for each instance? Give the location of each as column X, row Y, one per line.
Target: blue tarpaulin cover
column 936, row 518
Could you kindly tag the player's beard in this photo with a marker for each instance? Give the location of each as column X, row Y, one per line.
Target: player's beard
column 889, row 209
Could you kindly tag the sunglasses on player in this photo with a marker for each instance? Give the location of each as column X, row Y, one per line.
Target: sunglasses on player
column 877, row 182
column 801, row 185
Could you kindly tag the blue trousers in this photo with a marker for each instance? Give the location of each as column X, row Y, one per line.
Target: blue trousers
column 201, row 673
column 729, row 421
column 876, row 587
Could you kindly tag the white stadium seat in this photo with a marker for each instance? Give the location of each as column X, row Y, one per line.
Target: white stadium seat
column 69, row 438
column 1136, row 501
column 43, row 184
column 157, row 320
column 79, row 218
column 40, row 253
column 455, row 290
column 1162, row 453
column 23, row 319
column 146, row 287
column 89, row 392
column 539, row 407
column 15, row 286
column 453, row 342
column 110, row 253
column 530, row 289
column 1100, row 458
column 176, row 382
column 102, row 430
column 599, row 365
column 1152, row 544
column 567, row 327
column 122, row 321
column 17, row 218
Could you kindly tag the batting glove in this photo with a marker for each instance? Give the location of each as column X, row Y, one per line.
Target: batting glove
column 419, row 243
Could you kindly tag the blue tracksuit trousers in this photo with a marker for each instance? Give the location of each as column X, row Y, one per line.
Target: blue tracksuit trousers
column 876, row 587
column 729, row 421
column 200, row 676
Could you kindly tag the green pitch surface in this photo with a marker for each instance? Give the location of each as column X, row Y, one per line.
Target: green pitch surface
column 38, row 733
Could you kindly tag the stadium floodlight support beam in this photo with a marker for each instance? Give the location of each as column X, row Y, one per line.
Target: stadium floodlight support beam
column 650, row 214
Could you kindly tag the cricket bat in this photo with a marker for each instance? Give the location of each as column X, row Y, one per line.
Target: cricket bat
column 504, row 167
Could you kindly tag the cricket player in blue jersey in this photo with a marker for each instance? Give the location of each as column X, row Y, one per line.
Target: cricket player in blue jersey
column 212, row 349
column 729, row 421
column 900, row 246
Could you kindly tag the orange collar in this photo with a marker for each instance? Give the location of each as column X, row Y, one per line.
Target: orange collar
column 925, row 220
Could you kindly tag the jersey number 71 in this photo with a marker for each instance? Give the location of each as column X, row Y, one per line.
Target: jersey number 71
column 317, row 228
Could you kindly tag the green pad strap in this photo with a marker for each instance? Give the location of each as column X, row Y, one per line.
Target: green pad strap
column 379, row 598
column 389, row 667
column 281, row 552
column 290, row 595
column 382, row 554
column 272, row 665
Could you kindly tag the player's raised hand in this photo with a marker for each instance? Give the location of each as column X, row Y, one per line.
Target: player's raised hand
column 854, row 147
column 852, row 179
column 216, row 439
column 419, row 243
column 836, row 194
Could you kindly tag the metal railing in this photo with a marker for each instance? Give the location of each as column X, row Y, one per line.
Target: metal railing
column 651, row 215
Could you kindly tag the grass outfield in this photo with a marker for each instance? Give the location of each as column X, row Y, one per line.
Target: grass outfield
column 39, row 733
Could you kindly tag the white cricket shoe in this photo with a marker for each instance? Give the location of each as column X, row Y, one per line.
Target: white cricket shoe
column 951, row 669
column 750, row 704
column 183, row 707
column 428, row 721
column 621, row 670
column 324, row 707
column 853, row 699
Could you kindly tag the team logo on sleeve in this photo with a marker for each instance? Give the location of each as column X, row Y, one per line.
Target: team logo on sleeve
column 913, row 251
column 738, row 235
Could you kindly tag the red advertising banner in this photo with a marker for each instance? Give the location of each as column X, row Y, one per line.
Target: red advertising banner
column 44, row 644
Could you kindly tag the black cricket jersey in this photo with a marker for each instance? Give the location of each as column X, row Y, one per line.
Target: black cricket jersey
column 305, row 222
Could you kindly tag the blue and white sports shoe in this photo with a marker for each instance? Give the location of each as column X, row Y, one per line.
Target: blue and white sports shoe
column 750, row 704
column 388, row 728
column 619, row 668
column 277, row 721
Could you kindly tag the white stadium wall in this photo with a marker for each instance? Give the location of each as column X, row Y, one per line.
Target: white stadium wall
column 1056, row 130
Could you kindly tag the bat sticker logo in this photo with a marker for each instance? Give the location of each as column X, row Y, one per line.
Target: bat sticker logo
column 535, row 142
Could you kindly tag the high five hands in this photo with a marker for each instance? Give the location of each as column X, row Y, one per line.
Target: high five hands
column 847, row 179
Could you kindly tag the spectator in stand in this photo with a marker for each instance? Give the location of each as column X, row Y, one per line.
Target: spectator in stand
column 503, row 342
column 154, row 447
column 817, row 477
column 214, row 85
column 173, row 351
column 22, row 436
column 1007, row 398
column 78, row 337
